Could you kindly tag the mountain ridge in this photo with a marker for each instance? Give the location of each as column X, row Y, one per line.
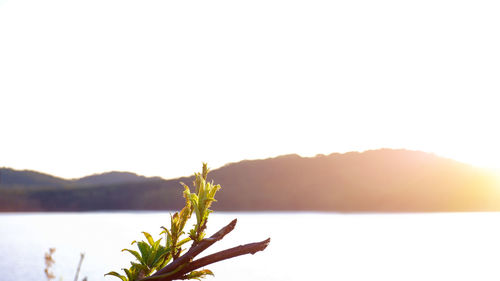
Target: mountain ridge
column 383, row 180
column 112, row 177
column 10, row 176
column 132, row 176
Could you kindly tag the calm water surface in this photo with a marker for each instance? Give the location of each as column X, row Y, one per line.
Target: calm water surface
column 304, row 246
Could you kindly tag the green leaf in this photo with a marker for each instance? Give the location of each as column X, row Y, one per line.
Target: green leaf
column 164, row 261
column 135, row 253
column 160, row 257
column 130, row 273
column 151, row 259
column 198, row 274
column 207, row 272
column 205, row 171
column 139, row 267
column 145, row 250
column 192, row 233
column 165, row 230
column 156, row 245
column 149, row 238
column 114, row 273
column 183, row 241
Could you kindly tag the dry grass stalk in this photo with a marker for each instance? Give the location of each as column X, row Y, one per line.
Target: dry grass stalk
column 49, row 261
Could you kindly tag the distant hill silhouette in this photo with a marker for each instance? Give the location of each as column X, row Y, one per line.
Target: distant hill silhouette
column 10, row 177
column 382, row 180
column 112, row 178
column 377, row 180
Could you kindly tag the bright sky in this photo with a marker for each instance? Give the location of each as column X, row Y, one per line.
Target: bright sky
column 157, row 87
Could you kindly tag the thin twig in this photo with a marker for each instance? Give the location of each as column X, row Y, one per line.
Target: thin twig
column 82, row 255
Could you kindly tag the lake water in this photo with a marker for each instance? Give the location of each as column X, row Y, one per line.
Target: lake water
column 304, row 246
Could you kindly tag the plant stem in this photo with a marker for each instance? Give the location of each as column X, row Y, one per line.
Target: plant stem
column 82, row 255
column 251, row 248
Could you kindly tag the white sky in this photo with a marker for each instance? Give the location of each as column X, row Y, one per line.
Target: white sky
column 157, row 87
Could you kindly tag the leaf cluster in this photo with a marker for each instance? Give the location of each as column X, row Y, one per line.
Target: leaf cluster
column 200, row 202
column 153, row 255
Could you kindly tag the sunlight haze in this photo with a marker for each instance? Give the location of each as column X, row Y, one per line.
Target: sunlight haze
column 157, row 87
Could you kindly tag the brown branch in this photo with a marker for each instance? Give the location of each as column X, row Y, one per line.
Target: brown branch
column 194, row 251
column 251, row 248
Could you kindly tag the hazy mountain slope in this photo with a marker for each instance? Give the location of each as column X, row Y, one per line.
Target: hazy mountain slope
column 379, row 180
column 17, row 178
column 9, row 177
column 147, row 195
column 112, row 178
